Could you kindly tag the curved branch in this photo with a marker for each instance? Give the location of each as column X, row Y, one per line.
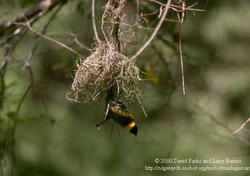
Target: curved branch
column 93, row 21
column 167, row 6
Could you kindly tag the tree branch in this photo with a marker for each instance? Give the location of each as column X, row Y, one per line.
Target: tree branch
column 167, row 6
column 242, row 126
column 28, row 60
column 44, row 6
column 93, row 21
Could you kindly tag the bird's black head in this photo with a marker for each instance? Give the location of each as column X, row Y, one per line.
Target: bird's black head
column 134, row 130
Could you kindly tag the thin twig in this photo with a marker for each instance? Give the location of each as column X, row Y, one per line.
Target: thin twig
column 242, row 126
column 80, row 44
column 27, row 62
column 137, row 10
column 181, row 57
column 53, row 40
column 26, row 92
column 102, row 24
column 94, row 23
column 133, row 58
column 143, row 110
column 238, row 137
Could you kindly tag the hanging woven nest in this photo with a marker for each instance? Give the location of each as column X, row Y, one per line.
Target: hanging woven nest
column 104, row 69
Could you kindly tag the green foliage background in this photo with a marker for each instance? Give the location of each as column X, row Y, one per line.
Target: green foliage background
column 56, row 137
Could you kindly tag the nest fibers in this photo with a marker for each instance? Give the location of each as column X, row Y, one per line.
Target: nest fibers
column 104, row 69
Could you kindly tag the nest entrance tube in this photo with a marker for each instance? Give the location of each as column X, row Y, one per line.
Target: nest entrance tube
column 105, row 74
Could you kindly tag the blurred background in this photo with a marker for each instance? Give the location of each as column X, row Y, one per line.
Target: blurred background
column 53, row 136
